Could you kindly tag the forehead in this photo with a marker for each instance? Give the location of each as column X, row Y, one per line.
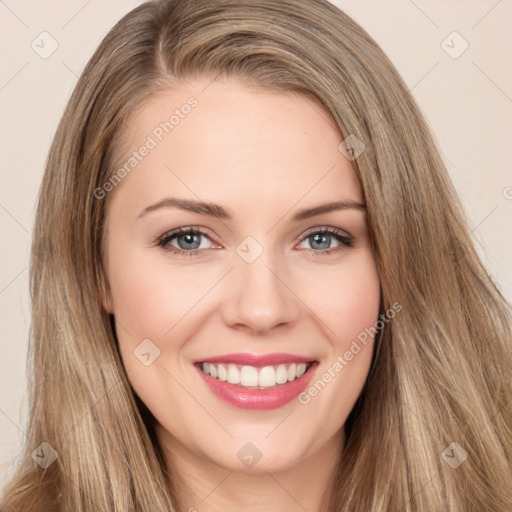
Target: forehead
column 229, row 142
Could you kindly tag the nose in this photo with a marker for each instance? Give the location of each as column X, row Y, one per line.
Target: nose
column 260, row 298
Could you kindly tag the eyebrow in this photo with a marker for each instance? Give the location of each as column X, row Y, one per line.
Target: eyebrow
column 219, row 212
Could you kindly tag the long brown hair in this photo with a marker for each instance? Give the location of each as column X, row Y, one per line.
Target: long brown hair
column 441, row 369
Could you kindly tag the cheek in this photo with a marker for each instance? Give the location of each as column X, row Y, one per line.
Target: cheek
column 356, row 305
column 153, row 300
column 344, row 297
column 150, row 296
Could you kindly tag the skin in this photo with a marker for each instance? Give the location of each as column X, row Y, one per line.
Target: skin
column 263, row 155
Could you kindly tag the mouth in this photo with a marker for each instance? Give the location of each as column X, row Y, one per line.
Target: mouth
column 256, row 386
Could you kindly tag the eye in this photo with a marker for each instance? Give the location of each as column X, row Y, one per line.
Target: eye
column 320, row 240
column 188, row 241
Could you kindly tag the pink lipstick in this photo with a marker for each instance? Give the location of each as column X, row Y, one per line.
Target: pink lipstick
column 257, row 382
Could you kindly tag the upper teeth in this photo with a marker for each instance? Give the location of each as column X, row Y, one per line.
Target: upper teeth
column 248, row 376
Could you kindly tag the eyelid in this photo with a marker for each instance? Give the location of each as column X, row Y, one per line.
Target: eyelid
column 326, row 228
column 184, row 231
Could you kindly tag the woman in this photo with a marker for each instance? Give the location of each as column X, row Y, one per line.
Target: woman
column 257, row 370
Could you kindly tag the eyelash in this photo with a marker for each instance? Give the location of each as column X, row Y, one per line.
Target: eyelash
column 346, row 242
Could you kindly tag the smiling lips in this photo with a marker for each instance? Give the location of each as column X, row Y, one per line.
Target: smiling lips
column 250, row 381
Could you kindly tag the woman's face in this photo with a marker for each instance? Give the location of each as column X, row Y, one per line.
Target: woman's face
column 267, row 283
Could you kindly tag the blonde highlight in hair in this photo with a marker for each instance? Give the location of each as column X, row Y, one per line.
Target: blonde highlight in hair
column 441, row 369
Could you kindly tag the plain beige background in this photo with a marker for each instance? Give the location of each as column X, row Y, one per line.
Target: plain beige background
column 465, row 95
